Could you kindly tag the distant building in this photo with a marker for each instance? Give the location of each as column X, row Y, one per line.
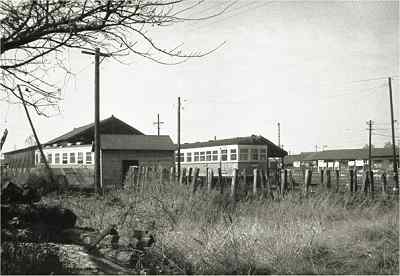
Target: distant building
column 382, row 158
column 122, row 146
column 234, row 153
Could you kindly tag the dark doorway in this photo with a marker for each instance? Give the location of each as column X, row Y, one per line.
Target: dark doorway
column 125, row 167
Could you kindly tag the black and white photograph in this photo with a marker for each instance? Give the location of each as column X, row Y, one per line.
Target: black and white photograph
column 199, row 137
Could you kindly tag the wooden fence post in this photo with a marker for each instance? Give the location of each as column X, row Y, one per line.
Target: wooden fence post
column 234, row 183
column 244, row 188
column 371, row 182
column 189, row 177
column 143, row 177
column 146, row 176
column 283, row 181
column 351, row 174
column 322, row 172
column 139, row 171
column 384, row 184
column 210, row 180
column 365, row 182
column 194, row 179
column 290, row 180
column 307, row 181
column 337, row 174
column 220, row 184
column 328, row 178
column 255, row 174
column 355, row 188
column 171, row 175
column 183, row 176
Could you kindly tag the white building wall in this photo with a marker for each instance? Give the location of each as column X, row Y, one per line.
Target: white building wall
column 61, row 150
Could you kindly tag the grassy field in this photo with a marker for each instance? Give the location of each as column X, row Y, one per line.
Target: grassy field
column 326, row 233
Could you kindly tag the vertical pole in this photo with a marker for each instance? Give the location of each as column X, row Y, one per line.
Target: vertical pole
column 283, row 181
column 328, row 178
column 179, row 137
column 96, row 121
column 255, row 173
column 351, row 175
column 355, row 188
column 337, row 174
column 183, row 174
column 234, row 183
column 395, row 170
column 371, row 183
column 210, row 177
column 369, row 146
column 384, row 184
column 307, row 181
column 194, row 179
column 220, row 184
column 158, row 124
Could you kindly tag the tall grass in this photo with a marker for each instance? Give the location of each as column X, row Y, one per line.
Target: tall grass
column 208, row 233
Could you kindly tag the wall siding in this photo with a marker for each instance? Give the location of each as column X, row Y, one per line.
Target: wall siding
column 112, row 162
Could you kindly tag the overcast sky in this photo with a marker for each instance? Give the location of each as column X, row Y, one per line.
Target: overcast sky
column 318, row 68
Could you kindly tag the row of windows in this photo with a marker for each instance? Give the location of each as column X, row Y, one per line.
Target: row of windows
column 65, row 158
column 215, row 155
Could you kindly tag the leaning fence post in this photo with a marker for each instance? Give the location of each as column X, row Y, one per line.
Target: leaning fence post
column 161, row 175
column 351, row 175
column 283, row 181
column 220, row 185
column 255, row 173
column 143, row 178
column 234, row 183
column 355, row 180
column 384, row 184
column 194, row 179
column 307, row 180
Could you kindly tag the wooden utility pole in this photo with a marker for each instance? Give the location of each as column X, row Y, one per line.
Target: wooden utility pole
column 369, row 145
column 179, row 138
column 98, row 187
column 43, row 157
column 395, row 171
column 158, row 123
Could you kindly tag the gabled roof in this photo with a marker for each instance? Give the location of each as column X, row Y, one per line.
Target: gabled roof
column 273, row 150
column 111, row 125
column 342, row 154
column 136, row 142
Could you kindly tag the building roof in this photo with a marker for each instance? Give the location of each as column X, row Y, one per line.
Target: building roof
column 341, row 154
column 26, row 149
column 273, row 150
column 136, row 142
column 111, row 125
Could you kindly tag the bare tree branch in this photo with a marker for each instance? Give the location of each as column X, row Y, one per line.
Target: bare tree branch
column 34, row 33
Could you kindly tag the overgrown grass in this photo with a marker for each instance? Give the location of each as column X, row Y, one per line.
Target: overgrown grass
column 326, row 233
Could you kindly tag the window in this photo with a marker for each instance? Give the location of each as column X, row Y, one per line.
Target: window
column 224, row 155
column 244, row 154
column 80, row 157
column 233, row 154
column 254, row 154
column 65, row 158
column 263, row 154
column 57, row 158
column 202, row 156
column 189, row 157
column 215, row 155
column 182, row 157
column 208, row 155
column 196, row 156
column 88, row 158
column 50, row 158
column 72, row 157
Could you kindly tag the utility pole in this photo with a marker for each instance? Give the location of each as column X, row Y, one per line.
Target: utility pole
column 369, row 145
column 42, row 156
column 179, row 138
column 98, row 186
column 158, row 123
column 279, row 134
column 395, row 171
